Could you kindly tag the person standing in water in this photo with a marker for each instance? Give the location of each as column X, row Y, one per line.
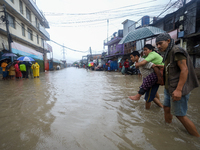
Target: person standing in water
column 180, row 80
column 146, row 70
column 35, row 67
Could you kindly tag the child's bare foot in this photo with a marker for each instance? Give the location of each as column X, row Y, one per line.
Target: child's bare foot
column 136, row 97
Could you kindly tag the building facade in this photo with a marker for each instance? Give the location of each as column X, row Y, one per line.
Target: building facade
column 128, row 26
column 184, row 26
column 114, row 48
column 27, row 29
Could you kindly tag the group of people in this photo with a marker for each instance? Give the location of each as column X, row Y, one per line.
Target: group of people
column 175, row 71
column 127, row 68
column 19, row 69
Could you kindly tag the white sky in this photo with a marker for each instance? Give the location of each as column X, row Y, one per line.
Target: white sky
column 81, row 36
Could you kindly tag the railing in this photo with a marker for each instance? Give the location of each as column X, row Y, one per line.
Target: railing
column 39, row 12
column 115, row 35
column 42, row 29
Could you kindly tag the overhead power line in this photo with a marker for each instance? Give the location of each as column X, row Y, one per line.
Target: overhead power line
column 92, row 13
column 54, row 41
column 63, row 21
column 70, row 48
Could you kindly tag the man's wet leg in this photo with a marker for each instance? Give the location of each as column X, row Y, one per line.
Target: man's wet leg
column 168, row 115
column 189, row 125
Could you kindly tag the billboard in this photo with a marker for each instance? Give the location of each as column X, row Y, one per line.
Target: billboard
column 18, row 48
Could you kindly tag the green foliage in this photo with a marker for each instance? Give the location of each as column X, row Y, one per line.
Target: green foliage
column 41, row 63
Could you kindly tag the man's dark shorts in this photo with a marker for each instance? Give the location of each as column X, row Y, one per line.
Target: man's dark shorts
column 151, row 93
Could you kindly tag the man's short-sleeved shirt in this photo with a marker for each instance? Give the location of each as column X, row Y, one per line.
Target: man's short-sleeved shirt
column 154, row 58
column 146, row 69
column 177, row 57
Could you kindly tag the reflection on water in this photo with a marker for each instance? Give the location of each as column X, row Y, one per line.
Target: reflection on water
column 78, row 109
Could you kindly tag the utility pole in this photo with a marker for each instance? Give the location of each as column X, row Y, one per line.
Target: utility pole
column 107, row 29
column 90, row 53
column 63, row 52
column 182, row 18
column 7, row 28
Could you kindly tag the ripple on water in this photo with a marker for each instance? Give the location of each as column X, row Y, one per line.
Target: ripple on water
column 78, row 109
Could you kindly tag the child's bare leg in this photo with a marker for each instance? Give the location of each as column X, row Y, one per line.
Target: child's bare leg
column 148, row 105
column 136, row 97
column 157, row 100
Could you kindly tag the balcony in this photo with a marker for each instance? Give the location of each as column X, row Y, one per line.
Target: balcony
column 44, row 32
column 116, row 37
column 36, row 10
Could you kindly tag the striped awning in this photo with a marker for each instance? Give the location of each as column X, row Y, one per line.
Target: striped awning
column 141, row 33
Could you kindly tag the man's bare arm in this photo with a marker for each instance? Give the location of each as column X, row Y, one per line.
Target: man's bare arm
column 160, row 66
column 142, row 63
column 183, row 75
column 177, row 94
column 157, row 71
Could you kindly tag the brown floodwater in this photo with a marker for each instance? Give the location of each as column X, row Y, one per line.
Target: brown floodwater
column 75, row 109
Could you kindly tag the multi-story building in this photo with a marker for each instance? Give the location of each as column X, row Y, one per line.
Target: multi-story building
column 27, row 28
column 128, row 26
column 114, row 48
column 184, row 27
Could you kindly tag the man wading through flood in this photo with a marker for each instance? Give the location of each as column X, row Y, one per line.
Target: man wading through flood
column 180, row 80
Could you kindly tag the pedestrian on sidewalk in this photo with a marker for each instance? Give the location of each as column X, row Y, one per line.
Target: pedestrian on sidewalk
column 3, row 65
column 18, row 73
column 28, row 68
column 120, row 66
column 22, row 67
column 12, row 72
column 126, row 65
column 35, row 67
column 180, row 80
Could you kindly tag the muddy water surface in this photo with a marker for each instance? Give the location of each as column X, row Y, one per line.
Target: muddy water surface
column 75, row 109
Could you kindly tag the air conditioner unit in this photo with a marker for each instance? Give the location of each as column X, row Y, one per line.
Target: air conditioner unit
column 181, row 28
column 181, row 18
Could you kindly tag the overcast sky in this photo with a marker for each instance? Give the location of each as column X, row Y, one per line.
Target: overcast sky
column 80, row 24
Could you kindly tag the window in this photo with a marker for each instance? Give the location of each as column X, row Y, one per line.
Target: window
column 114, row 48
column 30, row 34
column 111, row 49
column 42, row 42
column 21, row 7
column 11, row 21
column 37, row 39
column 28, row 14
column 36, row 23
column 23, row 29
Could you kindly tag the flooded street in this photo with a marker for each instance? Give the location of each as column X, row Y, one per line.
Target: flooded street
column 75, row 109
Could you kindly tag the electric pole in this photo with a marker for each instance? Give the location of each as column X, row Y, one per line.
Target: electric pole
column 63, row 52
column 90, row 54
column 7, row 28
column 107, row 29
column 182, row 20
